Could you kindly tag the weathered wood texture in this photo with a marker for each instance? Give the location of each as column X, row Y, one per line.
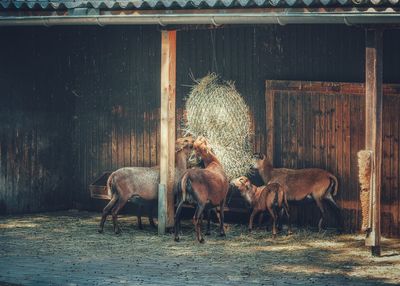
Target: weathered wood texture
column 320, row 124
column 117, row 112
column 35, row 122
column 167, row 132
column 373, row 129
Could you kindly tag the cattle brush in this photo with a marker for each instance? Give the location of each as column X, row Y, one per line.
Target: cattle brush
column 364, row 176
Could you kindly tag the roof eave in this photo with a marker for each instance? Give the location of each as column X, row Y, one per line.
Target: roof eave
column 209, row 17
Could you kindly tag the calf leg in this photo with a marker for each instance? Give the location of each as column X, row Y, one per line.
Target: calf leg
column 118, row 206
column 322, row 210
column 217, row 215
column 151, row 217
column 212, row 210
column 336, row 209
column 286, row 210
column 260, row 219
column 177, row 220
column 139, row 218
column 106, row 211
column 273, row 217
column 208, row 232
column 197, row 222
column 222, row 217
column 151, row 220
column 253, row 213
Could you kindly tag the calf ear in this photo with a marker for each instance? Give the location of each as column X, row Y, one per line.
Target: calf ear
column 259, row 156
column 248, row 185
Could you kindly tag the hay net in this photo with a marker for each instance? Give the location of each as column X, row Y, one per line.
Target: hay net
column 216, row 110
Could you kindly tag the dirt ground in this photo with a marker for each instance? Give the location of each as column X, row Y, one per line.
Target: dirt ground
column 64, row 248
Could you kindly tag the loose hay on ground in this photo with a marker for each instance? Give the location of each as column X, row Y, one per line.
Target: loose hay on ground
column 72, row 236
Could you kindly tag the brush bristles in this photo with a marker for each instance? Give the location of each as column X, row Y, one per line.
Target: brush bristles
column 216, row 111
column 364, row 176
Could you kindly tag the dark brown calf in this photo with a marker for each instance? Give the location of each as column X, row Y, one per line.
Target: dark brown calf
column 269, row 198
column 203, row 187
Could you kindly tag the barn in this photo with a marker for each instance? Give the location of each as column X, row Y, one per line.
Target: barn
column 88, row 87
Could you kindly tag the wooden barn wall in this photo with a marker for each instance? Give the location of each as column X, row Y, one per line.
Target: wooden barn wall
column 117, row 87
column 35, row 122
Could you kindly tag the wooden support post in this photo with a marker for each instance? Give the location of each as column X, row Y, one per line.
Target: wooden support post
column 373, row 129
column 167, row 126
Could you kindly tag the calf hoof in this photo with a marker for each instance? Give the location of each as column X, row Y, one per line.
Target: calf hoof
column 289, row 232
column 100, row 230
column 274, row 236
column 222, row 234
column 117, row 231
column 177, row 239
column 201, row 240
column 250, row 230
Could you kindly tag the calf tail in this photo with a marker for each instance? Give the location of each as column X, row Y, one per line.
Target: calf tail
column 185, row 186
column 110, row 185
column 275, row 204
column 335, row 184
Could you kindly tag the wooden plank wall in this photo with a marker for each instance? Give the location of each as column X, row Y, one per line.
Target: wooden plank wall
column 118, row 99
column 321, row 124
column 35, row 122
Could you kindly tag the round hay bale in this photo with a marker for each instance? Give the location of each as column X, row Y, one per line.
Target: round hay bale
column 216, row 111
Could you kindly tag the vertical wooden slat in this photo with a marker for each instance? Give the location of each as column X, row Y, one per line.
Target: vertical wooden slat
column 293, row 126
column 339, row 140
column 167, row 147
column 344, row 170
column 323, row 126
column 300, row 131
column 373, row 127
column 354, row 148
column 269, row 110
column 386, row 168
column 308, row 127
column 396, row 162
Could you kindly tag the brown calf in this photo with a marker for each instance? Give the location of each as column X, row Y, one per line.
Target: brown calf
column 270, row 197
column 303, row 183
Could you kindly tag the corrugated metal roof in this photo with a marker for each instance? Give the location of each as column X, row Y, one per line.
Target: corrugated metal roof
column 191, row 4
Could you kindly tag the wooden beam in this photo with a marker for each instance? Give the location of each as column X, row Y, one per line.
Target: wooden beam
column 167, row 128
column 269, row 116
column 373, row 129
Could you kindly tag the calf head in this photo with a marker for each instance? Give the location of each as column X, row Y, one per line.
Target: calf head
column 260, row 160
column 184, row 144
column 243, row 184
column 201, row 147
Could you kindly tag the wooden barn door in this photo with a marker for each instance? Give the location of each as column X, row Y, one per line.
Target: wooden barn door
column 321, row 124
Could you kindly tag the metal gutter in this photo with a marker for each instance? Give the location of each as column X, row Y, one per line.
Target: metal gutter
column 196, row 17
